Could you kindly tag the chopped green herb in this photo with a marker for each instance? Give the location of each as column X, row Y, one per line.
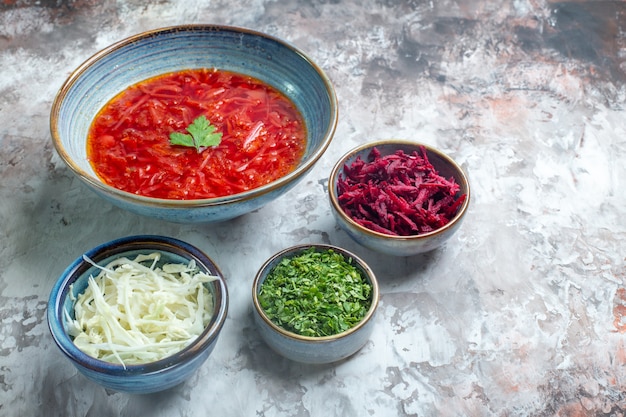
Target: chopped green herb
column 202, row 135
column 316, row 293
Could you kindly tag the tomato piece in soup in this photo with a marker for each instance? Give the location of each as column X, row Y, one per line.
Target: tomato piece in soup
column 263, row 136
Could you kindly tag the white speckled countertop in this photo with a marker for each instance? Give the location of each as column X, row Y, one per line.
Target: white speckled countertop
column 523, row 313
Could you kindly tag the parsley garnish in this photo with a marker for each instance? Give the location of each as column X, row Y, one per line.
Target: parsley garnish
column 202, row 135
column 316, row 293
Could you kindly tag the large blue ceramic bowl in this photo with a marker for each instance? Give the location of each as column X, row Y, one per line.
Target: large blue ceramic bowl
column 160, row 51
column 150, row 377
column 399, row 245
column 314, row 350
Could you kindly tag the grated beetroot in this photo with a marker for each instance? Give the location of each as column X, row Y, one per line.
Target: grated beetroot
column 399, row 194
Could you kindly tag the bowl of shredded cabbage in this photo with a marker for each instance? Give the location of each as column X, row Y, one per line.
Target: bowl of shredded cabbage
column 138, row 314
column 315, row 303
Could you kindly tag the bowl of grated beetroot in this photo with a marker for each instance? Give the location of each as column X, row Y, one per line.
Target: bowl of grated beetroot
column 398, row 197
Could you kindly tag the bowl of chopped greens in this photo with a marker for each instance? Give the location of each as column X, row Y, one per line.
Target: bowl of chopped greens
column 138, row 314
column 315, row 303
column 398, row 197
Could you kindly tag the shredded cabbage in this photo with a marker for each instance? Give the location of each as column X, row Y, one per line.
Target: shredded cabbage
column 134, row 312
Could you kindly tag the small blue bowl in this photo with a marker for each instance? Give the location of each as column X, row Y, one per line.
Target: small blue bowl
column 399, row 245
column 150, row 377
column 170, row 49
column 314, row 350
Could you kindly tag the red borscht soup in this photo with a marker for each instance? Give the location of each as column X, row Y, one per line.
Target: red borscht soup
column 263, row 136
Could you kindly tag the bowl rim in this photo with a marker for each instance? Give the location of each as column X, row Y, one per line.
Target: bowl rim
column 338, row 167
column 100, row 186
column 294, row 250
column 117, row 247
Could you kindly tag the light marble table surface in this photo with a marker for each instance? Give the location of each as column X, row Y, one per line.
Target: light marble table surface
column 522, row 313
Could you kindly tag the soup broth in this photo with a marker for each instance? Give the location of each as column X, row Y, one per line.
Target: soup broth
column 263, row 136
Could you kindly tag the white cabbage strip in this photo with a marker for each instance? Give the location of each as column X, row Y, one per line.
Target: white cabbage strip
column 134, row 312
